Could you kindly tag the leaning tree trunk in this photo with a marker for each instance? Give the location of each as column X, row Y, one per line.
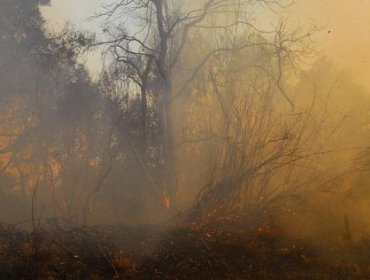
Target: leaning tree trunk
column 169, row 154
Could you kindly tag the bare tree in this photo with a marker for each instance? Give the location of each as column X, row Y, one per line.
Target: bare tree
column 150, row 51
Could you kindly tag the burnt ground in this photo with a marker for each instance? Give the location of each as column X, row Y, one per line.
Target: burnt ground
column 157, row 252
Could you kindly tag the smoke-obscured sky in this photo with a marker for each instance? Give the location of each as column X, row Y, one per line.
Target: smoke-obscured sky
column 79, row 14
column 76, row 12
column 345, row 37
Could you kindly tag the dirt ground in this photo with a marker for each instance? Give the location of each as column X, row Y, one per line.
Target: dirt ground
column 159, row 252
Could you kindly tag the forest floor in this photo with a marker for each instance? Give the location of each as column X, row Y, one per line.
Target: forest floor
column 156, row 252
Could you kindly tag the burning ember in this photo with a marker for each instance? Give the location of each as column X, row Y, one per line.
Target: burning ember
column 167, row 201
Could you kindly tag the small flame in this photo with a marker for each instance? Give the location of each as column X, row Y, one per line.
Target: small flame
column 167, row 201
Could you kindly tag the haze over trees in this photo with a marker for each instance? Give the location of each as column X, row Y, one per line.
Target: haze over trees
column 200, row 114
column 212, row 145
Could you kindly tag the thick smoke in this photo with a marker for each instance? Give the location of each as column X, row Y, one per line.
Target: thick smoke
column 201, row 114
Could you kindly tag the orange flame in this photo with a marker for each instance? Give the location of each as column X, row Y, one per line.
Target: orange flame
column 167, row 201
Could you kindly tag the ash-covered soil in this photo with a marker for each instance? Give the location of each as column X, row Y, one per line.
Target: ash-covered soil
column 184, row 252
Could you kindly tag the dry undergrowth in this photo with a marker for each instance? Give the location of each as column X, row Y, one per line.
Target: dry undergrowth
column 191, row 252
